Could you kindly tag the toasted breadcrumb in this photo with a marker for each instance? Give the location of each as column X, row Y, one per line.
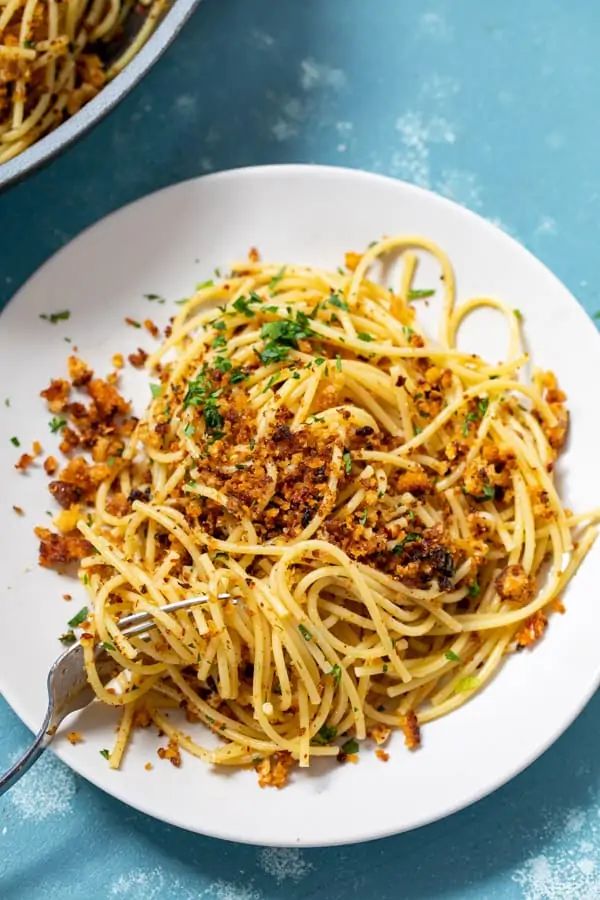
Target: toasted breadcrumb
column 382, row 755
column 74, row 737
column 532, row 630
column 171, row 752
column 274, row 770
column 412, row 732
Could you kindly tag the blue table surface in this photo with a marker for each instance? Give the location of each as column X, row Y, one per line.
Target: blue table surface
column 494, row 105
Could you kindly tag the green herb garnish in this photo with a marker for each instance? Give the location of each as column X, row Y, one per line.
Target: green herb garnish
column 156, row 390
column 363, row 336
column 452, row 656
column 338, row 301
column 325, row 735
column 347, row 458
column 68, row 637
column 15, row 441
column 415, row 294
column 53, row 318
column 243, row 304
column 79, row 617
column 276, row 279
column 104, row 753
column 305, row 632
column 407, row 539
column 336, row 673
column 351, row 746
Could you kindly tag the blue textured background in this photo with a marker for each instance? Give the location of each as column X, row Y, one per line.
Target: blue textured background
column 492, row 104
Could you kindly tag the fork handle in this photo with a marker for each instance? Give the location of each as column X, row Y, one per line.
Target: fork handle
column 33, row 752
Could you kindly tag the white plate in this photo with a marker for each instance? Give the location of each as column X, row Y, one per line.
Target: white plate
column 164, row 244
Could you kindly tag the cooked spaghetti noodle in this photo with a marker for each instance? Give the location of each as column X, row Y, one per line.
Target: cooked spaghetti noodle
column 379, row 505
column 49, row 66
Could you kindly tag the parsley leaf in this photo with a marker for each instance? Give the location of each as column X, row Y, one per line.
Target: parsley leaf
column 363, row 336
column 452, row 656
column 351, row 746
column 407, row 539
column 104, row 753
column 474, row 589
column 67, row 638
column 55, row 317
column 15, row 441
column 79, row 617
column 418, row 294
column 337, row 300
column 156, row 390
column 55, row 424
column 338, row 362
column 347, row 458
column 305, row 632
column 276, row 279
column 242, row 304
column 325, row 735
column 336, row 673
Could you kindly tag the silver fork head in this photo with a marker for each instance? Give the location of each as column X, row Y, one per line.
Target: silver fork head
column 68, row 687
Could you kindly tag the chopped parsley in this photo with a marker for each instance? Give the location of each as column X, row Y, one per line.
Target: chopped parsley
column 351, row 746
column 338, row 301
column 156, row 390
column 420, row 294
column 222, row 364
column 67, row 638
column 336, row 673
column 474, row 589
column 205, row 284
column 236, row 376
column 106, row 645
column 347, row 458
column 305, row 632
column 153, row 297
column 325, row 735
column 79, row 617
column 475, row 416
column 363, row 517
column 282, row 335
column 451, row 656
column 219, row 342
column 276, row 279
column 104, row 753
column 56, row 317
column 407, row 331
column 319, row 361
column 55, row 424
column 407, row 539
column 7, row 401
column 15, row 441
column 338, row 362
column 243, row 304
column 363, row 336
column 518, row 314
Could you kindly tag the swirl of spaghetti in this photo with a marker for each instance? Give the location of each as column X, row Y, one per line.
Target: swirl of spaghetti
column 380, row 506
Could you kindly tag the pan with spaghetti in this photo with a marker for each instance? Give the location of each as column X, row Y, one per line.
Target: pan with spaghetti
column 379, row 504
column 57, row 57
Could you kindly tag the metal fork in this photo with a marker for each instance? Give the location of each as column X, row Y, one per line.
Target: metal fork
column 68, row 688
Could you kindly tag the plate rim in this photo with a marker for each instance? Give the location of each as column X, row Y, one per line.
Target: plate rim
column 540, row 747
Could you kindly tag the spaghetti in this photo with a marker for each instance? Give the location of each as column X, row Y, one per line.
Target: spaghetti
column 49, row 65
column 379, row 505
